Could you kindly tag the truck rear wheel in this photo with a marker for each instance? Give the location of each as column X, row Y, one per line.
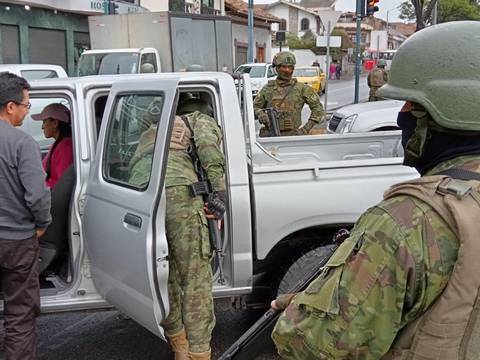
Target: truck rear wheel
column 301, row 267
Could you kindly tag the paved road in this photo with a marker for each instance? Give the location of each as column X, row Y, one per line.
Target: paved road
column 107, row 335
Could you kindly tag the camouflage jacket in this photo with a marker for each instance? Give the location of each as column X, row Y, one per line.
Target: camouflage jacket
column 208, row 139
column 291, row 106
column 396, row 262
column 377, row 77
column 180, row 170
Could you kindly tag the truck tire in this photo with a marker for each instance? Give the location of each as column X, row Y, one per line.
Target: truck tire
column 301, row 267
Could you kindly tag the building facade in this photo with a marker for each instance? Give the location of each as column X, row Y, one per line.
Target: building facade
column 49, row 31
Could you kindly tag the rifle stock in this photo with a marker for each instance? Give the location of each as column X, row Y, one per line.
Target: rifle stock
column 253, row 340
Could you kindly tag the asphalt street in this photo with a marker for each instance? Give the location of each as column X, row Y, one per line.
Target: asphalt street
column 109, row 335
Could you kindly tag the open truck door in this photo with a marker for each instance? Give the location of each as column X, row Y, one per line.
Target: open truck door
column 125, row 203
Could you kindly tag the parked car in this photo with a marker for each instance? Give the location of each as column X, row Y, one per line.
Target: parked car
column 35, row 71
column 259, row 73
column 365, row 117
column 311, row 75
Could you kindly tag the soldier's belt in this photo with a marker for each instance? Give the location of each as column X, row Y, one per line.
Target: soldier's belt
column 199, row 188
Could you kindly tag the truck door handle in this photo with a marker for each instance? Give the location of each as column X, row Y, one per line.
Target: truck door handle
column 133, row 220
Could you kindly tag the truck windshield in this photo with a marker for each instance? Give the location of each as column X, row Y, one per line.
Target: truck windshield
column 305, row 72
column 254, row 71
column 108, row 63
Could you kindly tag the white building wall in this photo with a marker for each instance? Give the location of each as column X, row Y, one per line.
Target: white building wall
column 304, row 57
column 312, row 22
column 155, row 5
column 94, row 7
column 260, row 36
column 280, row 11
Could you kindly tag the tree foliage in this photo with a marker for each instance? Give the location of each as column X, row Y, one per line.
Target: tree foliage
column 453, row 10
column 307, row 41
column 448, row 10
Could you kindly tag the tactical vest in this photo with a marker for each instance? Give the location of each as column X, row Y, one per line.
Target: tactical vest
column 450, row 328
column 283, row 100
column 181, row 134
column 377, row 77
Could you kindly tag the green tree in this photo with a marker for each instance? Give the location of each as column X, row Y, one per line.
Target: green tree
column 418, row 10
column 307, row 41
column 448, row 10
column 453, row 10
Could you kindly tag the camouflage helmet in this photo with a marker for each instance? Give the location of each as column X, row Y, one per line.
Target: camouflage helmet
column 284, row 58
column 382, row 63
column 439, row 68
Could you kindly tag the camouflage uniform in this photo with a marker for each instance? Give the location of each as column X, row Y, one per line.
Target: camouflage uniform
column 395, row 263
column 376, row 79
column 401, row 253
column 190, row 277
column 288, row 97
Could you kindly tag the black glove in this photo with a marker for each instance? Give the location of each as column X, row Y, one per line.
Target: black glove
column 216, row 204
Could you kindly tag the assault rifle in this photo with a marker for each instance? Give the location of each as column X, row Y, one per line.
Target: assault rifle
column 257, row 337
column 273, row 125
column 203, row 187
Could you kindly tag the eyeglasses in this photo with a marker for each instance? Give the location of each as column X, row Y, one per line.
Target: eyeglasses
column 27, row 105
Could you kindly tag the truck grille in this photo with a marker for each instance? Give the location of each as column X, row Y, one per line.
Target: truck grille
column 334, row 121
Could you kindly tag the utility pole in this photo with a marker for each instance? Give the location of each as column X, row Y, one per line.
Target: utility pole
column 328, row 64
column 358, row 40
column 250, row 32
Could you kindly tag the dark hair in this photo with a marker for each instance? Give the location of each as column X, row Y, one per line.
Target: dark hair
column 11, row 88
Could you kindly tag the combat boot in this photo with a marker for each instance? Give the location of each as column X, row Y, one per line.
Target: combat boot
column 179, row 344
column 207, row 355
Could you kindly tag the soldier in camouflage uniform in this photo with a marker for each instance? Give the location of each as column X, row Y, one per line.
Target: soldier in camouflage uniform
column 403, row 256
column 376, row 79
column 288, row 97
column 191, row 320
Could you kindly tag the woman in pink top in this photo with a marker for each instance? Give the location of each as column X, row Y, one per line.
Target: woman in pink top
column 56, row 124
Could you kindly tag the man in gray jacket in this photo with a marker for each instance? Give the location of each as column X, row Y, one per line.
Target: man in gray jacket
column 24, row 216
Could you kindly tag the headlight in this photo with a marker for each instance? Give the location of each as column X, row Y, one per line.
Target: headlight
column 347, row 124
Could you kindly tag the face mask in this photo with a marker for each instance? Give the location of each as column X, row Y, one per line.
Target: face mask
column 407, row 123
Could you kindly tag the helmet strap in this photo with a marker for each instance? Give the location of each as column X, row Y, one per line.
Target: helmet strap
column 416, row 145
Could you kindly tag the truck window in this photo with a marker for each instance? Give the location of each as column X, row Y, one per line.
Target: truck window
column 130, row 142
column 108, row 63
column 39, row 74
column 149, row 58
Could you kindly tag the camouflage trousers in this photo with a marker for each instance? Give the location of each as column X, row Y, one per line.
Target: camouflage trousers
column 190, row 276
column 372, row 96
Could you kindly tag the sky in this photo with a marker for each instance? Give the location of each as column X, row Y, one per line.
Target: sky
column 383, row 5
column 349, row 5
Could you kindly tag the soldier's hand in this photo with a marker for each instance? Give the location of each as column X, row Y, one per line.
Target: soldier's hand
column 215, row 207
column 263, row 118
column 282, row 301
column 40, row 232
column 302, row 131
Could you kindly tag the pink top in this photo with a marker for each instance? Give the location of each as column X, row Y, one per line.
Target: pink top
column 62, row 158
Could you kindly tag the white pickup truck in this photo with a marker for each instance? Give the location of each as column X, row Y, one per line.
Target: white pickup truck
column 286, row 195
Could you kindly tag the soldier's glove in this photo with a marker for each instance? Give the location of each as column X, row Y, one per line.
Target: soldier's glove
column 263, row 118
column 282, row 301
column 302, row 131
column 216, row 205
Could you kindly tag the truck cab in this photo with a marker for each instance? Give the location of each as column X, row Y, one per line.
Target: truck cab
column 119, row 61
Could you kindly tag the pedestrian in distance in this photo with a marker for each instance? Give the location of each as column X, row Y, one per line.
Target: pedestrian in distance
column 377, row 78
column 338, row 71
column 405, row 284
column 286, row 97
column 24, row 216
column 333, row 69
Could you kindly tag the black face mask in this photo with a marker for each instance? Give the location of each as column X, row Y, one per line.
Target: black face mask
column 439, row 146
column 407, row 123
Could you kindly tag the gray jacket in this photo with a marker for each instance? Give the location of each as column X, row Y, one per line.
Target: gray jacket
column 24, row 197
